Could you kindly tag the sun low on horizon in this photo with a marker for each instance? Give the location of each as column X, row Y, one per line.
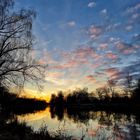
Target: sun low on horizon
column 85, row 42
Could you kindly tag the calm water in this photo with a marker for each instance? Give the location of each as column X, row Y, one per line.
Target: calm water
column 89, row 125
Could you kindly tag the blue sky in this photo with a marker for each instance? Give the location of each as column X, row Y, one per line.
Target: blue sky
column 86, row 42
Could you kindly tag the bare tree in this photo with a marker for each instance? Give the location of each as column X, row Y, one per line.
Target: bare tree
column 111, row 87
column 16, row 63
column 128, row 84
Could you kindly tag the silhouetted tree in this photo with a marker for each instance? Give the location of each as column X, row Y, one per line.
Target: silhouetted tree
column 16, row 64
column 128, row 84
column 111, row 86
column 100, row 93
column 60, row 98
column 136, row 92
column 53, row 99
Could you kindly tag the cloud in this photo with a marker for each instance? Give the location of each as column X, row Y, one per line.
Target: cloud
column 126, row 48
column 54, row 74
column 55, row 81
column 114, row 74
column 103, row 46
column 95, row 31
column 128, row 51
column 129, row 28
column 135, row 15
column 91, row 78
column 136, row 37
column 42, row 62
column 120, row 74
column 110, row 55
column 84, row 55
column 115, row 26
column 71, row 23
column 131, row 68
column 96, row 65
column 66, row 65
column 111, row 71
column 81, row 53
column 133, row 8
column 104, row 12
column 55, row 78
column 84, row 52
column 91, row 4
column 114, row 40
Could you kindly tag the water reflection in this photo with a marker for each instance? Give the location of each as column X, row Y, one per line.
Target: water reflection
column 86, row 124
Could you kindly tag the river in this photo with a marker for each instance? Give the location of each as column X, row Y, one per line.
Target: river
column 86, row 125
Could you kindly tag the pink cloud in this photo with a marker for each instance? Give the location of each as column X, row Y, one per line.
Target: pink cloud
column 81, row 54
column 95, row 31
column 103, row 46
column 84, row 52
column 91, row 78
column 126, row 48
column 110, row 55
column 128, row 51
column 41, row 62
column 57, row 67
column 84, row 55
column 111, row 70
column 54, row 74
column 96, row 65
column 113, row 73
column 73, row 63
column 69, row 64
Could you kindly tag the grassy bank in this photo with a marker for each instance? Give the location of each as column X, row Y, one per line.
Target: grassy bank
column 14, row 130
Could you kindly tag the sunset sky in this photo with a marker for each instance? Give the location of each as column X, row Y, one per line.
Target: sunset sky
column 86, row 42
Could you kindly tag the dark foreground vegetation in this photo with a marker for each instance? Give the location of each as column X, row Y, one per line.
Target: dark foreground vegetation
column 11, row 129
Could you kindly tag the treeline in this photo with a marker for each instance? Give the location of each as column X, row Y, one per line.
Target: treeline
column 103, row 96
column 13, row 103
column 79, row 104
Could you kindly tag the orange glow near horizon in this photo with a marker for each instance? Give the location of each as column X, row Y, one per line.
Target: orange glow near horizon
column 30, row 93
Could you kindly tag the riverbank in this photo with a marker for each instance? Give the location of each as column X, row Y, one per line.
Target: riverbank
column 10, row 102
column 14, row 130
column 113, row 107
column 10, row 128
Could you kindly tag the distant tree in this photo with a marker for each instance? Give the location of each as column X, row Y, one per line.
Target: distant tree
column 136, row 91
column 101, row 92
column 128, row 84
column 111, row 87
column 16, row 40
column 60, row 98
column 53, row 99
